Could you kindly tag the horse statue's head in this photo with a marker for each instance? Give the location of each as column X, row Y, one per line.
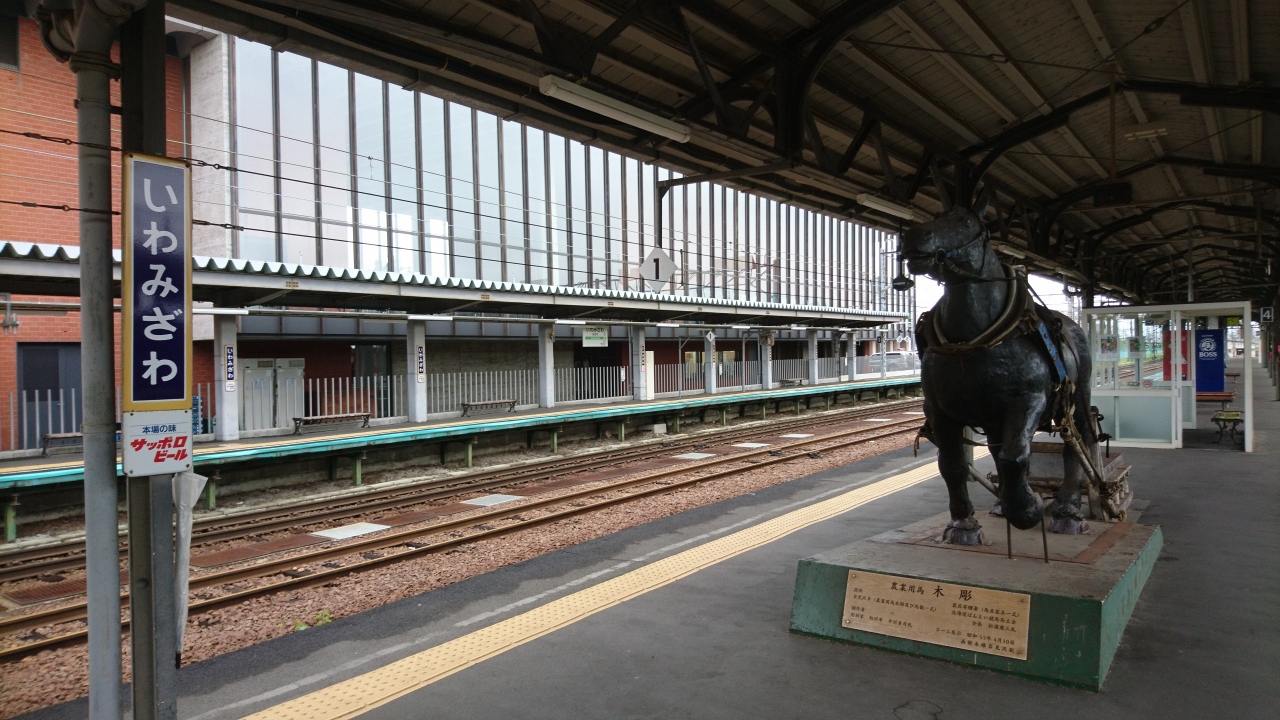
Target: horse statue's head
column 956, row 239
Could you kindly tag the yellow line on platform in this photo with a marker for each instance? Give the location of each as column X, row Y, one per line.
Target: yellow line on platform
column 360, row 694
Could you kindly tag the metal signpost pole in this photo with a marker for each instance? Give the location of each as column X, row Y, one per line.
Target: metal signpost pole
column 156, row 424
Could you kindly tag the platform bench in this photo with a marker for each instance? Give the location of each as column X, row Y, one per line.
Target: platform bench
column 793, row 382
column 481, row 404
column 1227, row 422
column 48, row 438
column 1225, row 398
column 300, row 422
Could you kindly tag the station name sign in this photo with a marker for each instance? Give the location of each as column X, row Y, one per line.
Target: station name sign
column 156, row 300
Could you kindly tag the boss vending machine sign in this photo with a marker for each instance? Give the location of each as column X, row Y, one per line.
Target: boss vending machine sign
column 156, row 295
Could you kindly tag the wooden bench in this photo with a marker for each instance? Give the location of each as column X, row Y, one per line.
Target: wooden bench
column 793, row 382
column 480, row 404
column 1226, row 397
column 53, row 437
column 299, row 422
column 1234, row 377
column 1227, row 422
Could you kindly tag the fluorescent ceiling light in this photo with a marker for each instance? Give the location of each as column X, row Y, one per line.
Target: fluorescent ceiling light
column 575, row 94
column 571, row 322
column 668, row 324
column 219, row 311
column 441, row 318
column 740, row 327
column 885, row 206
column 799, row 327
column 1144, row 131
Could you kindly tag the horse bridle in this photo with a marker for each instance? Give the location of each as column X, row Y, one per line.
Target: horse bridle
column 944, row 258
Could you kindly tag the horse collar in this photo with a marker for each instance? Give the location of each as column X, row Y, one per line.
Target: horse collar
column 1017, row 306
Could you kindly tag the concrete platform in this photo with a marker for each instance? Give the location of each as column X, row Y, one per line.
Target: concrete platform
column 1203, row 641
column 38, row 472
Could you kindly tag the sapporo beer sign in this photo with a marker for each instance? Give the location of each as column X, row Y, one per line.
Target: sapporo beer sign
column 156, row 294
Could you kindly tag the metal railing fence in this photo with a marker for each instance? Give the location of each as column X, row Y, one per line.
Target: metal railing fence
column 447, row 391
column 593, row 383
column 686, row 378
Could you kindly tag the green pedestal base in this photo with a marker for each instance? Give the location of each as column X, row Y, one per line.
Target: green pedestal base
column 1080, row 601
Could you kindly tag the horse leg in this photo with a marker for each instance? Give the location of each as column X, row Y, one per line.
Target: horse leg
column 954, row 467
column 1020, row 506
column 1067, row 517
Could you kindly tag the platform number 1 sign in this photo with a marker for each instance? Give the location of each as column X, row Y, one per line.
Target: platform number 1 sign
column 657, row 269
column 156, row 300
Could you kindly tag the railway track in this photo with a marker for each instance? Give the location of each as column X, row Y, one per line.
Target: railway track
column 413, row 542
column 29, row 563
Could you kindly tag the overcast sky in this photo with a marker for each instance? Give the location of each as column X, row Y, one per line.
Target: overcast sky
column 928, row 292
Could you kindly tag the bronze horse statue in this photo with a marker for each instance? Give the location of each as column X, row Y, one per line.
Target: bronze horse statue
column 994, row 360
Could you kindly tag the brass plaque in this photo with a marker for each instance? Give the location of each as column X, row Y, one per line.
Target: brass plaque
column 970, row 618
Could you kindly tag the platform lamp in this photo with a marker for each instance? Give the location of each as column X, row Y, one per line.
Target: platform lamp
column 901, row 282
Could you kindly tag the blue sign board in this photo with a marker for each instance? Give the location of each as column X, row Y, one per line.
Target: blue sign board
column 1211, row 361
column 156, row 291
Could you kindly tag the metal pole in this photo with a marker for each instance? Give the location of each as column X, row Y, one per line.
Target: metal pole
column 152, row 630
column 151, row 609
column 94, row 71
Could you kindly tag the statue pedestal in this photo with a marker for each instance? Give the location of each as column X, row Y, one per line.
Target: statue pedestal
column 905, row 591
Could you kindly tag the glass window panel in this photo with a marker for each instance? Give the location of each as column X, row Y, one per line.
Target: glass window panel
column 516, row 262
column 615, row 193
column 462, row 188
column 255, row 147
column 539, row 223
column 579, row 238
column 634, row 224
column 403, row 166
column 335, row 158
column 299, row 240
column 258, row 238
column 557, row 195
column 371, row 172
column 598, row 220
column 297, row 145
column 435, row 201
column 337, row 245
column 488, row 172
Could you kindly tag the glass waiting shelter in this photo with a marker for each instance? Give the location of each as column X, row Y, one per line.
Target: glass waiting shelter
column 1145, row 360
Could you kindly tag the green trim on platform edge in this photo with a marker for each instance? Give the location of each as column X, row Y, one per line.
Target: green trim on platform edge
column 1072, row 640
column 19, row 478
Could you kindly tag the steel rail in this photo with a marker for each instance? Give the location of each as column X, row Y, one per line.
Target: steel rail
column 70, row 555
column 767, row 457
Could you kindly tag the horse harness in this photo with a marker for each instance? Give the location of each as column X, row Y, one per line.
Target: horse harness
column 1021, row 316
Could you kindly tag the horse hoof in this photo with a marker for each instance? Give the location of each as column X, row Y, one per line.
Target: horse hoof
column 1020, row 506
column 1069, row 526
column 996, row 510
column 1068, row 520
column 963, row 532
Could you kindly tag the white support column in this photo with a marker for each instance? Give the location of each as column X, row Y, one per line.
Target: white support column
column 641, row 388
column 546, row 366
column 850, row 355
column 765, row 344
column 811, row 356
column 226, row 352
column 416, row 342
column 709, row 362
column 881, row 343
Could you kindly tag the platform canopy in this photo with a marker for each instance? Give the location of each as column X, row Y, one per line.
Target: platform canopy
column 1132, row 148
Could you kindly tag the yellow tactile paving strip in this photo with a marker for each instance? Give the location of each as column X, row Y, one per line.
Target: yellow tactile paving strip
column 363, row 693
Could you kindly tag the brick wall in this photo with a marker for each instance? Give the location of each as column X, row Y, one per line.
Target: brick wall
column 40, row 97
